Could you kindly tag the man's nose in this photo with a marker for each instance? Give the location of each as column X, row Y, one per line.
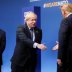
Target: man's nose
column 34, row 21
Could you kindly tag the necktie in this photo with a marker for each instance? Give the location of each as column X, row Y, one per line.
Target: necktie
column 31, row 31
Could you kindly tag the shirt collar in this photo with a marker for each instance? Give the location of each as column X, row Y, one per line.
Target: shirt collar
column 29, row 27
column 68, row 14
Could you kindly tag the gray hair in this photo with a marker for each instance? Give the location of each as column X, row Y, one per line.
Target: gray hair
column 28, row 14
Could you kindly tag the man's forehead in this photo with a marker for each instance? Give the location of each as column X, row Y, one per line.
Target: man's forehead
column 32, row 15
column 33, row 18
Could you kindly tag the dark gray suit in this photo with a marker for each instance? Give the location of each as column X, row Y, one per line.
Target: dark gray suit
column 2, row 45
column 65, row 44
column 25, row 56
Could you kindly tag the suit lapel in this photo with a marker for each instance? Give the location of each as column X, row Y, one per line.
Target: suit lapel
column 27, row 31
column 36, row 33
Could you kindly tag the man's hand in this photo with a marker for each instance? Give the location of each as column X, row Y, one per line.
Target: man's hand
column 59, row 62
column 56, row 46
column 41, row 46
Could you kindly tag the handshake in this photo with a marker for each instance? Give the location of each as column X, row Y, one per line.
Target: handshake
column 43, row 46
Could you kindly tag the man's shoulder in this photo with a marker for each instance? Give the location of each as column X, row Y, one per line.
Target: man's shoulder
column 69, row 18
column 37, row 28
column 2, row 31
column 21, row 27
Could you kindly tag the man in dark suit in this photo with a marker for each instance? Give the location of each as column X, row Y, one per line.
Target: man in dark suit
column 28, row 39
column 65, row 40
column 2, row 45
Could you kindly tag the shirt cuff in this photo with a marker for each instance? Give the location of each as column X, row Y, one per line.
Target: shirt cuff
column 35, row 45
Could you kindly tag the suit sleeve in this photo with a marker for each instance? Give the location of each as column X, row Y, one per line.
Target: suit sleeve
column 2, row 42
column 23, row 37
column 63, row 36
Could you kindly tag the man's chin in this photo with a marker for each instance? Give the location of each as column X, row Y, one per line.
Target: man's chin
column 34, row 26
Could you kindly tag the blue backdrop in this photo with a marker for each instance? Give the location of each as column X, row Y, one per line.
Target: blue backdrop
column 11, row 17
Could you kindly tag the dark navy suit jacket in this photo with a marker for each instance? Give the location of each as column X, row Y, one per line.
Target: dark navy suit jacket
column 2, row 43
column 24, row 44
column 65, row 43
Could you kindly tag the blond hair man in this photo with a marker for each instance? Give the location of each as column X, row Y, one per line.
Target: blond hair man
column 28, row 40
column 65, row 40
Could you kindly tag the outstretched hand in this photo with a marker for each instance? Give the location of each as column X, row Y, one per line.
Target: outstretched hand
column 41, row 46
column 56, row 46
